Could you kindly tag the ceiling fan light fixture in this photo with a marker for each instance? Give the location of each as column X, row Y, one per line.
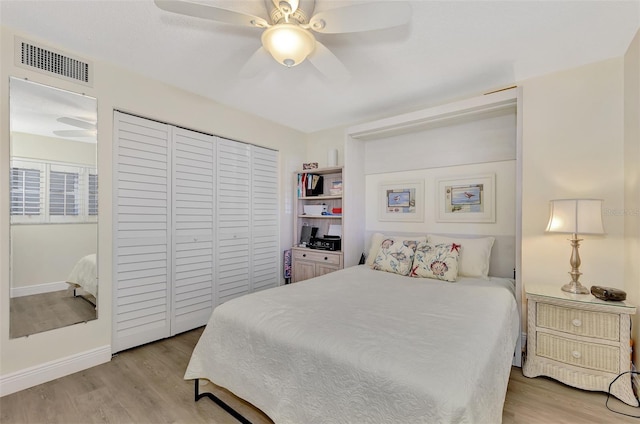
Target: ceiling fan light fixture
column 289, row 44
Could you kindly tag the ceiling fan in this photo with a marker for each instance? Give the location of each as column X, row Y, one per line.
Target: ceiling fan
column 88, row 128
column 288, row 32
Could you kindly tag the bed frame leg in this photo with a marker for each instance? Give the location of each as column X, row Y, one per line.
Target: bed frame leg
column 219, row 402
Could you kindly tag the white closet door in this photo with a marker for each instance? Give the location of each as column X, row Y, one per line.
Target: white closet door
column 265, row 254
column 193, row 166
column 234, row 214
column 142, row 197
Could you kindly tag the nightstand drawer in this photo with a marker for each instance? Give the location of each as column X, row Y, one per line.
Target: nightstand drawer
column 587, row 355
column 579, row 322
column 317, row 256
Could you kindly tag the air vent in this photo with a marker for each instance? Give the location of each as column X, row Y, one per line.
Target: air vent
column 52, row 62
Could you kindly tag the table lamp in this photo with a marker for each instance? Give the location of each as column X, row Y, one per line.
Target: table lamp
column 575, row 216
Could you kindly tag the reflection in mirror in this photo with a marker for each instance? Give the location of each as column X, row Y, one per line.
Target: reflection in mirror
column 54, row 208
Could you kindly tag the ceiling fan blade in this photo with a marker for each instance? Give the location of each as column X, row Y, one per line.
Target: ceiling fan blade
column 328, row 64
column 213, row 13
column 74, row 122
column 361, row 17
column 75, row 133
column 257, row 63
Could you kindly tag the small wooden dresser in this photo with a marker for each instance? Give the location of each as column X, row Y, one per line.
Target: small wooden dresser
column 579, row 340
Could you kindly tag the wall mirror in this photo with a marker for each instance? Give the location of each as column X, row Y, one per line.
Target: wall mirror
column 54, row 208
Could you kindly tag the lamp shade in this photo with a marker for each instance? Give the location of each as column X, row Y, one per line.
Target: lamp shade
column 576, row 216
column 289, row 44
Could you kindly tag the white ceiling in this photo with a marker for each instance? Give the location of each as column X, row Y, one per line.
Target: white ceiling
column 449, row 50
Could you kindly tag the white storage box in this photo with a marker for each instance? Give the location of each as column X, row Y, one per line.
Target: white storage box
column 314, row 209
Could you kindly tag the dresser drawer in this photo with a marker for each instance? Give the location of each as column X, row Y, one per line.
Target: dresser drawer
column 317, row 256
column 579, row 322
column 587, row 355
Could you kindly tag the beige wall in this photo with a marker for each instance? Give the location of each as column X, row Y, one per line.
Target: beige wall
column 573, row 147
column 116, row 88
column 632, row 181
column 52, row 149
column 319, row 144
column 46, row 253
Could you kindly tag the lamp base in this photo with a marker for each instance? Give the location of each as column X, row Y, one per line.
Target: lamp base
column 575, row 287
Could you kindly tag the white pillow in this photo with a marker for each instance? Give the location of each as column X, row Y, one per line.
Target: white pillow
column 475, row 254
column 378, row 238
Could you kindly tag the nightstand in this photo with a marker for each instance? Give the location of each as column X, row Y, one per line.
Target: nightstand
column 579, row 340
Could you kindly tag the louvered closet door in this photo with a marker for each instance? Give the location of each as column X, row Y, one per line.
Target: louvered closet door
column 142, row 197
column 193, row 166
column 265, row 255
column 234, row 214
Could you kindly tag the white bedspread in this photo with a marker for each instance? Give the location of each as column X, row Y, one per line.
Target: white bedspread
column 84, row 274
column 364, row 346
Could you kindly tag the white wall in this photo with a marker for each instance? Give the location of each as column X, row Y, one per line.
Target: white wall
column 573, row 147
column 116, row 88
column 632, row 181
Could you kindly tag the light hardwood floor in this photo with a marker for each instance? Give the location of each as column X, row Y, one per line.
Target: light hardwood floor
column 46, row 311
column 145, row 385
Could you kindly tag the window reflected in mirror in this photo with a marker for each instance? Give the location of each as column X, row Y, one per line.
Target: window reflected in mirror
column 54, row 208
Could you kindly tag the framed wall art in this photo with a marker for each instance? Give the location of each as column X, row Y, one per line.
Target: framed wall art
column 467, row 199
column 402, row 201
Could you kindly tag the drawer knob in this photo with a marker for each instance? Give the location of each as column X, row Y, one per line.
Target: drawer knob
column 576, row 354
column 304, row 255
column 576, row 322
column 326, row 259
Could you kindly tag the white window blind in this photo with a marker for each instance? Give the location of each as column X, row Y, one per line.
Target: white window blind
column 93, row 194
column 64, row 193
column 25, row 191
column 52, row 192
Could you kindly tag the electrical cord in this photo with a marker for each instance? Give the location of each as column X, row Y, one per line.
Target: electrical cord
column 609, row 394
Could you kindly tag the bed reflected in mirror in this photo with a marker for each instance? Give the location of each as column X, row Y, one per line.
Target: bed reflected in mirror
column 54, row 208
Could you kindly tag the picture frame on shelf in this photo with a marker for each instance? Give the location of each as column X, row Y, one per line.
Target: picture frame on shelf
column 310, row 165
column 466, row 199
column 401, row 201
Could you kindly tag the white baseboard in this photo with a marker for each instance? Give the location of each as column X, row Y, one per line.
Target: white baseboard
column 38, row 289
column 39, row 374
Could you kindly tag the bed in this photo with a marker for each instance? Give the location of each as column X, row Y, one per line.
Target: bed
column 84, row 275
column 367, row 346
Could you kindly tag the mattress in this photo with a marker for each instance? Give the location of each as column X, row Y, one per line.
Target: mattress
column 84, row 274
column 365, row 346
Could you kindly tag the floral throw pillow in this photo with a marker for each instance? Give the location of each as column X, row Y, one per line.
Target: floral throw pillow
column 395, row 256
column 439, row 261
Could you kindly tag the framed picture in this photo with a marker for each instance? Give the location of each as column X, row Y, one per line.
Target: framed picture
column 310, row 165
column 468, row 199
column 402, row 201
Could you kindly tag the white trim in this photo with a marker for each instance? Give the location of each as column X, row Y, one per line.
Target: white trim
column 38, row 289
column 29, row 377
column 451, row 112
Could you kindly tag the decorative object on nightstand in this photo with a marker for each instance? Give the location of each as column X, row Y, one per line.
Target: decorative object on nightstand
column 579, row 340
column 575, row 216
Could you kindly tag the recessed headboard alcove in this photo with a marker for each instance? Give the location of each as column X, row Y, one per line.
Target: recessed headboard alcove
column 482, row 133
